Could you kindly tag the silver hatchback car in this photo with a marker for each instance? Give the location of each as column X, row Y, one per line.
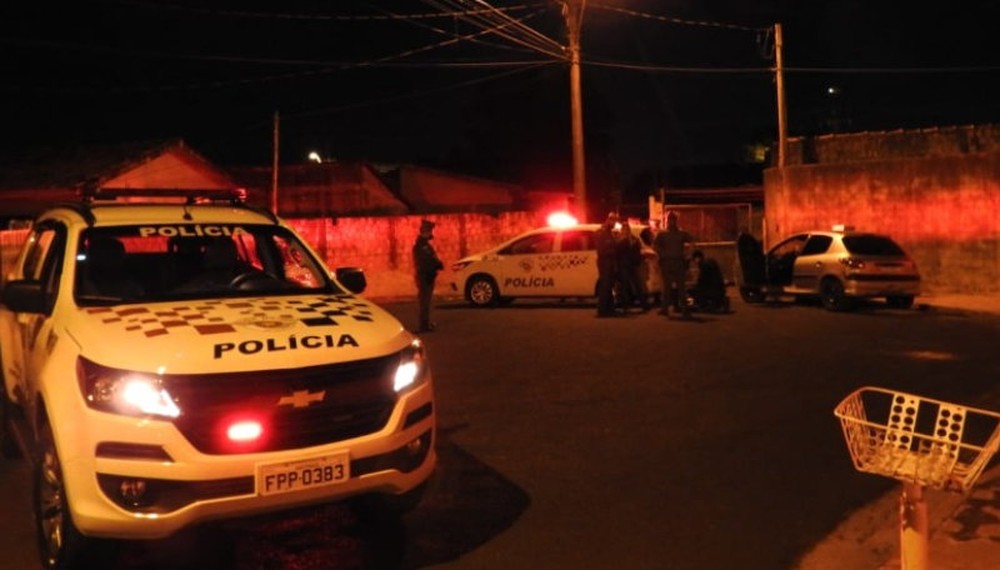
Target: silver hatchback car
column 839, row 267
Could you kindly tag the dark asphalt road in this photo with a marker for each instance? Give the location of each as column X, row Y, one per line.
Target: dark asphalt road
column 572, row 442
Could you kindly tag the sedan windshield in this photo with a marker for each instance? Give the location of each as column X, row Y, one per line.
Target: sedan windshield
column 160, row 263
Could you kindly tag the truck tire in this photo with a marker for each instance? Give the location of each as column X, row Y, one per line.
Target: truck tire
column 8, row 445
column 60, row 545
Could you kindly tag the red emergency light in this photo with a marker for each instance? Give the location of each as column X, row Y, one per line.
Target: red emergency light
column 561, row 220
column 245, row 431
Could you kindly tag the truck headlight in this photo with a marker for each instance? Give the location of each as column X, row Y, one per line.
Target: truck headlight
column 412, row 368
column 125, row 392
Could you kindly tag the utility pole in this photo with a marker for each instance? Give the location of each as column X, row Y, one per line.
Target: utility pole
column 573, row 12
column 779, row 81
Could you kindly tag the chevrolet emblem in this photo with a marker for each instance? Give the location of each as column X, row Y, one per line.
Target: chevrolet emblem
column 302, row 398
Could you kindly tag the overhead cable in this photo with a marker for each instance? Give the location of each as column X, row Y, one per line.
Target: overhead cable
column 508, row 28
column 702, row 23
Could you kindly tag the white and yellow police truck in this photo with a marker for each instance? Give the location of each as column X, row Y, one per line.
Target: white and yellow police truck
column 187, row 360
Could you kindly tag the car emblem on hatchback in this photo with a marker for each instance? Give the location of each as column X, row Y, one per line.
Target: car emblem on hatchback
column 302, row 398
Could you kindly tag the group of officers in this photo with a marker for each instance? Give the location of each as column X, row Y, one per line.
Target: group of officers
column 622, row 267
column 624, row 263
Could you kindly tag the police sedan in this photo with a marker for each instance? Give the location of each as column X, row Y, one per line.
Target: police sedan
column 548, row 262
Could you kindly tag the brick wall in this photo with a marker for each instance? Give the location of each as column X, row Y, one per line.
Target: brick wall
column 10, row 247
column 382, row 245
column 887, row 145
column 379, row 245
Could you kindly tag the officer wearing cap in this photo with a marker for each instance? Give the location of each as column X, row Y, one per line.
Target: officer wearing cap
column 426, row 266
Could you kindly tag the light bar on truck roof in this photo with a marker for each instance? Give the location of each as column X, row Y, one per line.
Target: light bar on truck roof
column 234, row 196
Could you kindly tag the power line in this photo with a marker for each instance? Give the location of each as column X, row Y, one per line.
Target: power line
column 479, row 41
column 317, row 17
column 509, row 28
column 500, row 16
column 672, row 20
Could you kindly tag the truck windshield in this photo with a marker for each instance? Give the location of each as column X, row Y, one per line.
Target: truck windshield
column 149, row 263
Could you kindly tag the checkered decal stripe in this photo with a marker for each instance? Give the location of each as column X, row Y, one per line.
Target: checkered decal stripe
column 204, row 317
column 564, row 261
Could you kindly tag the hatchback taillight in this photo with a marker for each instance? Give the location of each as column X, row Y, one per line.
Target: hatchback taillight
column 852, row 263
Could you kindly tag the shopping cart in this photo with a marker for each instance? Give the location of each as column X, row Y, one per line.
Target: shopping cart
column 923, row 443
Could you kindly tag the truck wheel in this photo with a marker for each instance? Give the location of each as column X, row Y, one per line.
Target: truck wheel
column 899, row 301
column 60, row 544
column 482, row 291
column 8, row 447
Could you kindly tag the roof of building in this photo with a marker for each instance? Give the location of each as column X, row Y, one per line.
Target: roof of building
column 38, row 177
column 56, row 166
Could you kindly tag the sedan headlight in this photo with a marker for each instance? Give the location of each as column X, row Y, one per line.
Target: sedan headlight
column 125, row 392
column 412, row 369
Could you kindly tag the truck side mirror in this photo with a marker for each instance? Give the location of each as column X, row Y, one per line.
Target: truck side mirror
column 25, row 296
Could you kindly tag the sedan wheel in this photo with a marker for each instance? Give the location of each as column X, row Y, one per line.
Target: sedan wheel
column 482, row 292
column 832, row 293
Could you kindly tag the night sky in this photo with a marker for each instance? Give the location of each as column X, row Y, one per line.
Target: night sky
column 667, row 83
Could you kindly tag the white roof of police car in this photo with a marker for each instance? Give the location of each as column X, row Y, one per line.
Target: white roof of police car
column 546, row 229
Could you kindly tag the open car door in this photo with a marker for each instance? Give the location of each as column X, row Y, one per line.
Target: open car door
column 753, row 282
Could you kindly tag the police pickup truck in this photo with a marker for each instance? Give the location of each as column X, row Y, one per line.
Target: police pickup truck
column 186, row 360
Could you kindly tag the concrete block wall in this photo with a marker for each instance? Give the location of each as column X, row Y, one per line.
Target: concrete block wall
column 887, row 145
column 943, row 208
column 382, row 245
column 10, row 247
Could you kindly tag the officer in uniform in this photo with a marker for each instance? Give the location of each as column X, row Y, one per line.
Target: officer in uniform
column 671, row 245
column 426, row 266
column 607, row 266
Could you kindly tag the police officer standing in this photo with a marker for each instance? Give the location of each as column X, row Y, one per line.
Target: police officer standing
column 671, row 245
column 607, row 266
column 426, row 265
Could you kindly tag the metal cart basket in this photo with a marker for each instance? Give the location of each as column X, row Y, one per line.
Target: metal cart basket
column 918, row 440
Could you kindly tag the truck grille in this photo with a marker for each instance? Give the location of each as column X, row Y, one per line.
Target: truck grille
column 298, row 407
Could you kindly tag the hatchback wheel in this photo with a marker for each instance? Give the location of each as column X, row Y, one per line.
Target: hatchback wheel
column 482, row 291
column 832, row 293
